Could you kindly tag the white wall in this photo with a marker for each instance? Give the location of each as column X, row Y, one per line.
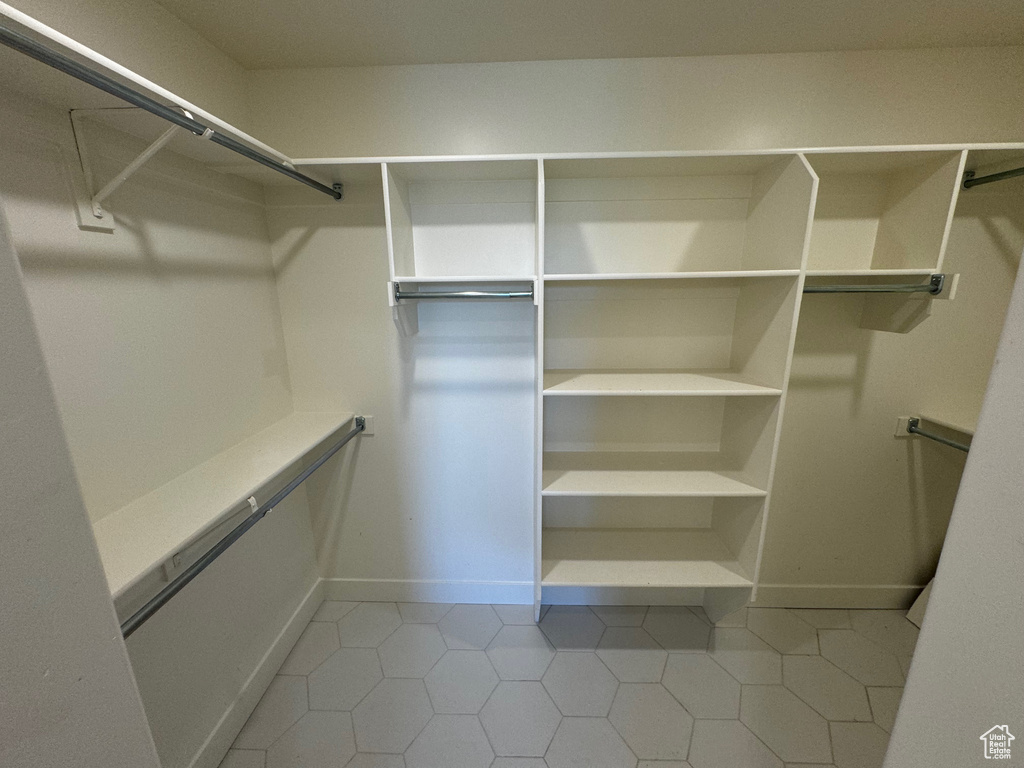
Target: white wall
column 858, row 516
column 164, row 345
column 163, row 339
column 441, row 493
column 713, row 102
column 968, row 669
column 68, row 693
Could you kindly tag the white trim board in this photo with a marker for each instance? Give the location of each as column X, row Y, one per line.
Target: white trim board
column 217, row 744
column 429, row 591
column 656, row 153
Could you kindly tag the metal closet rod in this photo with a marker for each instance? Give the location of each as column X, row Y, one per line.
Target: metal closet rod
column 401, row 295
column 934, row 287
column 59, row 61
column 913, row 427
column 970, row 180
column 142, row 615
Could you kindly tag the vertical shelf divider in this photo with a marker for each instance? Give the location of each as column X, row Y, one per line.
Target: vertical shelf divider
column 814, row 181
column 538, row 294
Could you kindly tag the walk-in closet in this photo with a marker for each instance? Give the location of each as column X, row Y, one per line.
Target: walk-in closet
column 446, row 385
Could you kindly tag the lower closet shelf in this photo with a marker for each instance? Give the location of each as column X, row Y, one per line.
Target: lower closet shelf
column 139, row 538
column 638, row 558
column 605, row 482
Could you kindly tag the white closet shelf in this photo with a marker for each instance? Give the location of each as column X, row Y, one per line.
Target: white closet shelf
column 587, row 276
column 651, row 383
column 638, row 558
column 957, row 425
column 140, row 537
column 631, row 482
column 868, row 272
column 465, row 278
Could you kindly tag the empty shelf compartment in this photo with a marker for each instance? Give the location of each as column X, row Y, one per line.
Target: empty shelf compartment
column 731, row 328
column 675, row 215
column 639, row 558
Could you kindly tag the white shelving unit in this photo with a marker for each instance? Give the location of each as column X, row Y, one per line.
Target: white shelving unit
column 671, row 290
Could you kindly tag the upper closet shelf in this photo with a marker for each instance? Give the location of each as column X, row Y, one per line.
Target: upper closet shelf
column 459, row 279
column 651, row 383
column 869, row 272
column 141, row 537
column 43, row 63
column 731, row 273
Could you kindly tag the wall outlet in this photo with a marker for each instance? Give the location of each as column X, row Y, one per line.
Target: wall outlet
column 369, row 426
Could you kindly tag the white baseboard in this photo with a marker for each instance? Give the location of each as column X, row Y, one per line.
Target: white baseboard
column 521, row 593
column 423, row 591
column 836, row 595
column 220, row 740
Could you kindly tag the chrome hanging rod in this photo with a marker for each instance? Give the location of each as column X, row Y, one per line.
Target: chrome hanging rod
column 934, row 287
column 970, row 180
column 142, row 615
column 913, row 427
column 401, row 295
column 59, row 61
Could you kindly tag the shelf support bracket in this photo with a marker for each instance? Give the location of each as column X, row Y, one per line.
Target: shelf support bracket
column 102, row 221
column 111, row 186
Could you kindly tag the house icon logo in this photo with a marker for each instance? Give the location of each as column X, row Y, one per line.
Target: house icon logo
column 997, row 742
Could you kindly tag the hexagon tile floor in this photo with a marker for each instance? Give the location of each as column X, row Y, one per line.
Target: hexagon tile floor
column 380, row 685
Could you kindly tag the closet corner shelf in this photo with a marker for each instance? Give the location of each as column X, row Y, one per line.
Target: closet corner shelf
column 656, row 558
column 651, row 383
column 726, row 273
column 623, row 483
column 140, row 537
